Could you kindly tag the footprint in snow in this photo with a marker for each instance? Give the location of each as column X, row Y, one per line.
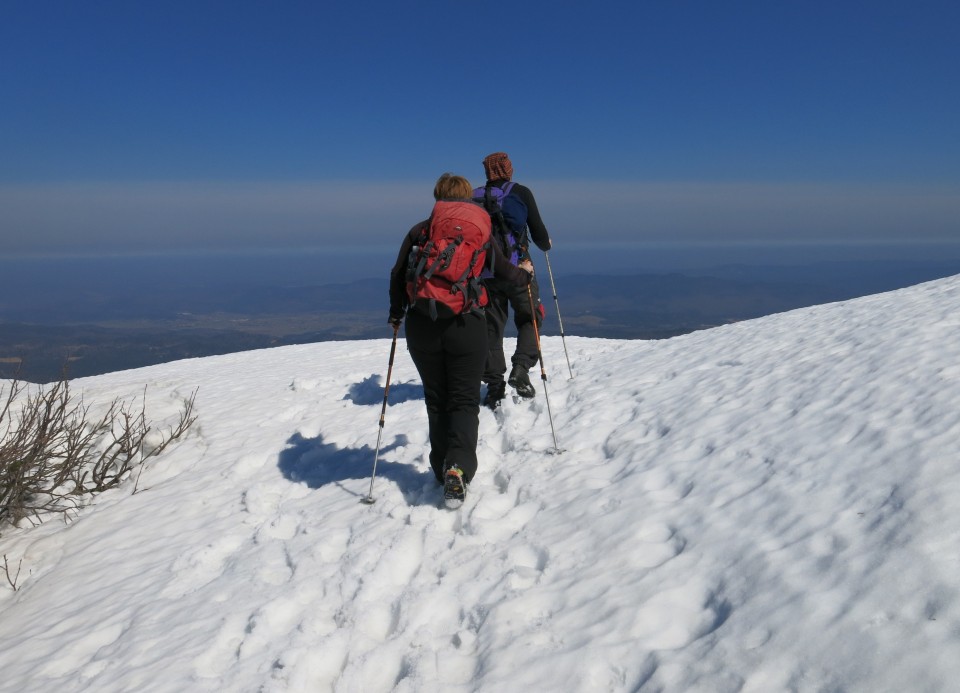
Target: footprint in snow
column 655, row 545
column 199, row 567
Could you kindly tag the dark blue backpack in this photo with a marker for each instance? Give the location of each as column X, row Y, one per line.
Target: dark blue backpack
column 508, row 215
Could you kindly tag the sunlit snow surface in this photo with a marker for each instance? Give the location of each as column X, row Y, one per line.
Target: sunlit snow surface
column 768, row 506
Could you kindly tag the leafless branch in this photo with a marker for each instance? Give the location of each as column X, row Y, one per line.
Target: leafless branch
column 53, row 451
column 6, row 569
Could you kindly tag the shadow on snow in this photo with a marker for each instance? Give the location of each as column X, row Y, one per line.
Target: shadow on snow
column 315, row 463
column 370, row 391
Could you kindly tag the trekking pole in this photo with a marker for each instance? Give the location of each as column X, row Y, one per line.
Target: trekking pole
column 543, row 372
column 559, row 319
column 369, row 499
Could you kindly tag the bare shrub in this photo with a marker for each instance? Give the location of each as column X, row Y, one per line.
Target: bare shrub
column 12, row 579
column 53, row 451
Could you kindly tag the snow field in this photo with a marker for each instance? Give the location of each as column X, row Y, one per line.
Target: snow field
column 767, row 506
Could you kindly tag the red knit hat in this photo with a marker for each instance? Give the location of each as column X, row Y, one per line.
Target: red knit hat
column 498, row 166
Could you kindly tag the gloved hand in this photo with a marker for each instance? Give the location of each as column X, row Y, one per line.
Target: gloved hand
column 395, row 319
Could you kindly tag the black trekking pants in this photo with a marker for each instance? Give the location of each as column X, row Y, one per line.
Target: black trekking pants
column 502, row 296
column 449, row 354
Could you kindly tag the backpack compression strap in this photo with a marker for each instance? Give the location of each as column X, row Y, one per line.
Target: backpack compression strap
column 443, row 258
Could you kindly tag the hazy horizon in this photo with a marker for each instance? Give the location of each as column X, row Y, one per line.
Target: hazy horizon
column 332, row 264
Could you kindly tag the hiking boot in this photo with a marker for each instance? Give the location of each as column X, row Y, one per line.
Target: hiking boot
column 454, row 488
column 520, row 381
column 495, row 394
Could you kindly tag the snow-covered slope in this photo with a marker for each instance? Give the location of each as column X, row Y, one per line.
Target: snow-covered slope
column 768, row 506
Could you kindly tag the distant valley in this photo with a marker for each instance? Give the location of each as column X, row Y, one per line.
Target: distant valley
column 99, row 331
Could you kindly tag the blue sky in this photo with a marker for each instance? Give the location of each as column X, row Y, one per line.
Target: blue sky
column 159, row 126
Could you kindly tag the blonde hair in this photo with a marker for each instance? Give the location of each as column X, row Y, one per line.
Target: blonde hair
column 451, row 187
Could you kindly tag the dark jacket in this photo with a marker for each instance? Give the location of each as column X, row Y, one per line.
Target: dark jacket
column 496, row 263
column 538, row 232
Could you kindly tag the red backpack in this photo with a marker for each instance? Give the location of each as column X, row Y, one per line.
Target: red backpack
column 443, row 271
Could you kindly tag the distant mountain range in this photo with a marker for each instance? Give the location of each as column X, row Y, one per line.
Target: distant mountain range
column 100, row 331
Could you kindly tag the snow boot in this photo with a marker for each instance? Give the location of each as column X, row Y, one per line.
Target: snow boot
column 495, row 394
column 520, row 381
column 454, row 488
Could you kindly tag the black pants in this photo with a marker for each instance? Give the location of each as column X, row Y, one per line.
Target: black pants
column 449, row 354
column 504, row 296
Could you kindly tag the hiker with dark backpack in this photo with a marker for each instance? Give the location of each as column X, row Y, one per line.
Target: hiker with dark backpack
column 436, row 284
column 515, row 222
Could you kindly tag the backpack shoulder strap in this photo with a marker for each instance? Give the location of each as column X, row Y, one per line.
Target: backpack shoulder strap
column 424, row 232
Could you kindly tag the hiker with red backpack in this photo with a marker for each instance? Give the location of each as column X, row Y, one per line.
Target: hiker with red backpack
column 516, row 220
column 436, row 285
